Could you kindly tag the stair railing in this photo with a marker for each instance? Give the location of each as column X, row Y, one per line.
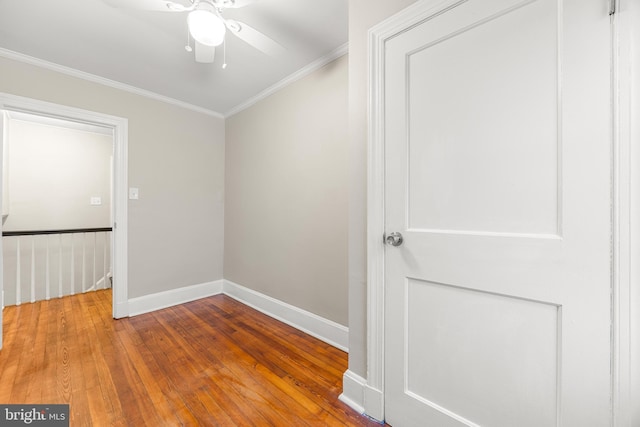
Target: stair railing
column 89, row 261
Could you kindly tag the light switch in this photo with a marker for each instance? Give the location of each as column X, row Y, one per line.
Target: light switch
column 96, row 201
column 133, row 193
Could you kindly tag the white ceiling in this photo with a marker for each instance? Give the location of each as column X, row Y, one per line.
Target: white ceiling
column 145, row 49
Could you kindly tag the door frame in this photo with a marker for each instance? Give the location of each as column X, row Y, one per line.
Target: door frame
column 625, row 264
column 119, row 127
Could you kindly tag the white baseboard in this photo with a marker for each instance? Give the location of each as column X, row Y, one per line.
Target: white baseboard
column 373, row 403
column 120, row 310
column 326, row 330
column 148, row 303
column 353, row 386
column 102, row 282
column 361, row 397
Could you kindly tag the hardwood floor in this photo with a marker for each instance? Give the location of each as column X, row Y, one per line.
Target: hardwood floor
column 209, row 362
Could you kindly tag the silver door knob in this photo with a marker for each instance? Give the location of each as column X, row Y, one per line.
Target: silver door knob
column 394, row 239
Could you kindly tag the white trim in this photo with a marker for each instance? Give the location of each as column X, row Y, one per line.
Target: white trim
column 326, row 330
column 626, row 215
column 16, row 56
column 102, row 282
column 361, row 397
column 375, row 215
column 49, row 121
column 374, row 403
column 119, row 127
column 160, row 300
column 303, row 72
column 353, row 386
column 119, row 236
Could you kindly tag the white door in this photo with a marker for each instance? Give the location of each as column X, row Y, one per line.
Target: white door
column 497, row 173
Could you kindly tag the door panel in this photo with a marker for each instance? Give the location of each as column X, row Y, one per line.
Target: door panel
column 469, row 73
column 497, row 160
column 512, row 341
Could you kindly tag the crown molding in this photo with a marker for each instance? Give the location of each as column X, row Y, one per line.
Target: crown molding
column 303, row 72
column 9, row 54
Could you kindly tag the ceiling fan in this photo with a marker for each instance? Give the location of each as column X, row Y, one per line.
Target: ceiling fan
column 206, row 24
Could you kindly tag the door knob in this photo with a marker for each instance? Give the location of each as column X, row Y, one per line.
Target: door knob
column 394, row 239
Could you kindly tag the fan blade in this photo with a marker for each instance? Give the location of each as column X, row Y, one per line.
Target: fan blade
column 205, row 54
column 234, row 4
column 154, row 5
column 255, row 38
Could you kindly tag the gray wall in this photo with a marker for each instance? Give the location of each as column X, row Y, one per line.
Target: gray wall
column 176, row 159
column 286, row 194
column 363, row 14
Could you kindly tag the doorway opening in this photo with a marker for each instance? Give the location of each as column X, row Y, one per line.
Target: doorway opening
column 56, row 217
column 117, row 128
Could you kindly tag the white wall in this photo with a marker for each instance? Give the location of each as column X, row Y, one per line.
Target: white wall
column 286, row 194
column 176, row 159
column 52, row 173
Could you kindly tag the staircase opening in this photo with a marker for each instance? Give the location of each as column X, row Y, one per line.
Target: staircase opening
column 57, row 208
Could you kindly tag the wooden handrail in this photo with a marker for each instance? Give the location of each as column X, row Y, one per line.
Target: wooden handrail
column 67, row 231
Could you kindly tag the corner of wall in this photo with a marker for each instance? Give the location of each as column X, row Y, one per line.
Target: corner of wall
column 325, row 330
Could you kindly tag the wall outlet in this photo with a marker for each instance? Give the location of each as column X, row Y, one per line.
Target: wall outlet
column 96, row 201
column 133, row 193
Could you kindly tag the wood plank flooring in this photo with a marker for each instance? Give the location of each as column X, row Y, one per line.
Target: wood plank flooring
column 211, row 362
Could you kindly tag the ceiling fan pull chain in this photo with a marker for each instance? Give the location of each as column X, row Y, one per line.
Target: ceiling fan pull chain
column 224, row 53
column 188, row 45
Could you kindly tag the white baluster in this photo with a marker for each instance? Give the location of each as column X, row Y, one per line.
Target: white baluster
column 46, row 279
column 84, row 262
column 73, row 268
column 59, row 265
column 18, row 278
column 104, row 261
column 94, row 285
column 33, row 269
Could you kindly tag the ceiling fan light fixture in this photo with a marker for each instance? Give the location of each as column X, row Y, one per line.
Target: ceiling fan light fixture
column 206, row 27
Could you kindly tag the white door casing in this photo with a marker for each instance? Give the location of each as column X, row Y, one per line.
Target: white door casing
column 626, row 214
column 498, row 167
column 119, row 127
column 3, row 141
